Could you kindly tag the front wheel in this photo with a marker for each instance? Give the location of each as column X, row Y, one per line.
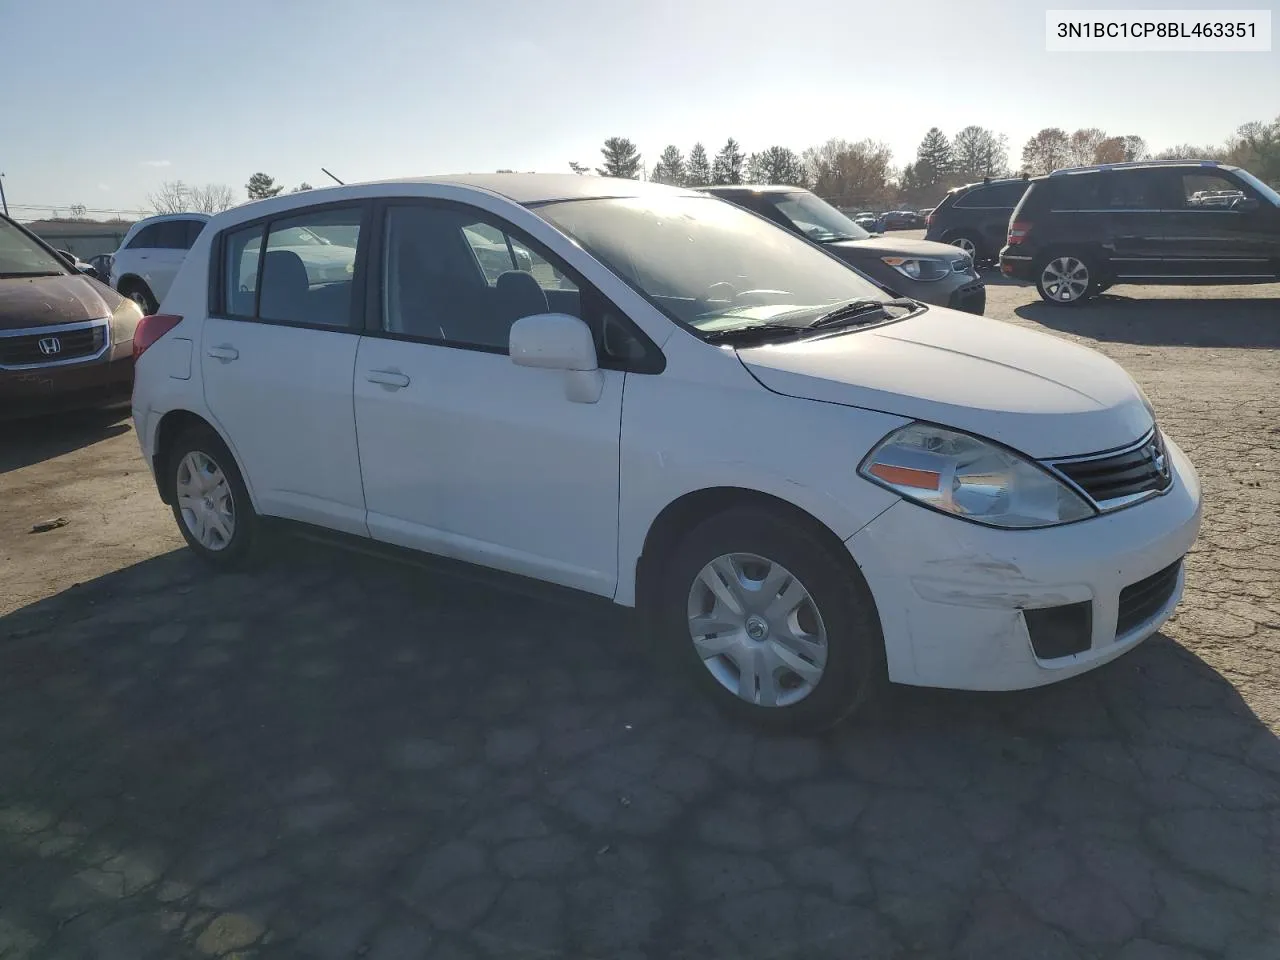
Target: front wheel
column 1066, row 280
column 210, row 501
column 770, row 622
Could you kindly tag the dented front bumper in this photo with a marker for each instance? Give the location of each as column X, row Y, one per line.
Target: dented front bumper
column 951, row 594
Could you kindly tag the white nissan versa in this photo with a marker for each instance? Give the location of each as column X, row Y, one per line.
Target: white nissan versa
column 663, row 399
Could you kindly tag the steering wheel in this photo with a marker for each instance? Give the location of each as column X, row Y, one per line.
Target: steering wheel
column 723, row 292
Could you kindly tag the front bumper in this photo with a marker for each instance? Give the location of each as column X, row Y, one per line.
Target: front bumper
column 951, row 594
column 971, row 298
column 37, row 391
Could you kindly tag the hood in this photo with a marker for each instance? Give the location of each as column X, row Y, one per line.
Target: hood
column 1038, row 394
column 873, row 248
column 36, row 301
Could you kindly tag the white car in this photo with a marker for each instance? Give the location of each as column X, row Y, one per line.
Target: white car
column 151, row 254
column 669, row 402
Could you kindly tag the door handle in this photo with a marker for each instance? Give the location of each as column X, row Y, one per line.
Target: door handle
column 388, row 378
column 224, row 352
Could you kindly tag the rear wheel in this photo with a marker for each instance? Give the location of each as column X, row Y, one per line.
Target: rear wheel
column 969, row 244
column 140, row 293
column 770, row 623
column 1066, row 279
column 210, row 501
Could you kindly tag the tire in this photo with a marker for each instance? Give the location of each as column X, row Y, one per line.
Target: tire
column 971, row 244
column 140, row 293
column 839, row 673
column 210, row 500
column 1067, row 279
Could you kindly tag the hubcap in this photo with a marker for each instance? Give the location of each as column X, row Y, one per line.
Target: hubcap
column 967, row 245
column 204, row 497
column 1065, row 279
column 757, row 630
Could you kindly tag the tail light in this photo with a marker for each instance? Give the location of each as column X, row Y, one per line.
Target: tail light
column 152, row 328
column 1019, row 230
column 928, row 219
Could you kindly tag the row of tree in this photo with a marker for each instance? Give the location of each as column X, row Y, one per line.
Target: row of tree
column 177, row 196
column 860, row 173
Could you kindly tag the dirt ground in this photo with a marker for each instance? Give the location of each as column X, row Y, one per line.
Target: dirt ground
column 338, row 756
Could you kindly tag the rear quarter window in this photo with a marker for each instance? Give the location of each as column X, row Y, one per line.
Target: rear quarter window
column 1073, row 192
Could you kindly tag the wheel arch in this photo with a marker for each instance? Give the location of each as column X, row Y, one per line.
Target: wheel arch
column 681, row 515
column 167, row 430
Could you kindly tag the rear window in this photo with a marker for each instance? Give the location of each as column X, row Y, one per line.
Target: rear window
column 1136, row 190
column 1073, row 192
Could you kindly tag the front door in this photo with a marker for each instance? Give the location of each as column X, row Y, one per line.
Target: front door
column 1212, row 234
column 463, row 453
column 278, row 357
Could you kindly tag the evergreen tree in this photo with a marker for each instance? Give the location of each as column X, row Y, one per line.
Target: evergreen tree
column 670, row 167
column 777, row 165
column 934, row 158
column 260, row 186
column 621, row 159
column 697, row 170
column 730, row 164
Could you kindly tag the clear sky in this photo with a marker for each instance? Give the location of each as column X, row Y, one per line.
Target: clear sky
column 101, row 102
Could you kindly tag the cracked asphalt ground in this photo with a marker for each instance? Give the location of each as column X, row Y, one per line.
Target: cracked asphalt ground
column 339, row 756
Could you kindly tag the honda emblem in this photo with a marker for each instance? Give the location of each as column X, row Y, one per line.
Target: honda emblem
column 50, row 346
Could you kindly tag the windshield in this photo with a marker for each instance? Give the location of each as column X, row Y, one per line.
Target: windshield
column 1261, row 187
column 817, row 219
column 707, row 263
column 20, row 256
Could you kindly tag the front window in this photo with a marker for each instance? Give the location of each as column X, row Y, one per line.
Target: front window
column 815, row 218
column 20, row 256
column 709, row 264
column 1258, row 185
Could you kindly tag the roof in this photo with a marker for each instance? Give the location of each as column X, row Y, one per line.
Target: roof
column 719, row 189
column 525, row 188
column 1140, row 164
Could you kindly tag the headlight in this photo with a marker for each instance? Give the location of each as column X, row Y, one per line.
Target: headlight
column 919, row 268
column 971, row 478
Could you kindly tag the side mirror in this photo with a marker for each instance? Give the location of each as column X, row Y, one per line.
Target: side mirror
column 558, row 341
column 1244, row 204
column 66, row 258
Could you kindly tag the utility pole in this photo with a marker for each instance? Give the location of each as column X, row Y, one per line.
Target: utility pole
column 3, row 202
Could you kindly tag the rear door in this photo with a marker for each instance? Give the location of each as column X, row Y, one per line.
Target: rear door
column 1210, row 234
column 278, row 353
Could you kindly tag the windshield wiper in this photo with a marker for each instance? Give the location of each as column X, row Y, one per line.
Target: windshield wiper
column 14, row 274
column 764, row 331
column 857, row 310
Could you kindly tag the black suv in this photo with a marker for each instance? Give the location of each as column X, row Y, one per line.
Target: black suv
column 975, row 217
column 1078, row 231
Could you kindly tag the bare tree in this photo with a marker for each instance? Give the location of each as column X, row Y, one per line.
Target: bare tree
column 77, row 211
column 1083, row 149
column 211, row 198
column 172, row 197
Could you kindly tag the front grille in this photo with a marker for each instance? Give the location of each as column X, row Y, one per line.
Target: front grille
column 1141, row 601
column 24, row 350
column 1119, row 476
